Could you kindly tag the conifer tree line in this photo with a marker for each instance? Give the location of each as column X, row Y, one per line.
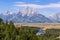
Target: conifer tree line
column 9, row 32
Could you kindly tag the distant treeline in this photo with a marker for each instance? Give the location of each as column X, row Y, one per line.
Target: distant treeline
column 9, row 32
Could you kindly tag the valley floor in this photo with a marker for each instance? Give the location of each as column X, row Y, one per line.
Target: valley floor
column 40, row 25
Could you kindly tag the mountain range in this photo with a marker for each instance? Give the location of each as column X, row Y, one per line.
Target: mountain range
column 29, row 16
column 55, row 17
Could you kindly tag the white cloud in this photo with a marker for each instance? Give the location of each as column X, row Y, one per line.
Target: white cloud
column 52, row 5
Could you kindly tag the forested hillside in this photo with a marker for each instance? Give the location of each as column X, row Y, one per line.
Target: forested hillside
column 9, row 32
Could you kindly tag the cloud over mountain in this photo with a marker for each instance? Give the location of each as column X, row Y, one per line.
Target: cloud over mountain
column 51, row 5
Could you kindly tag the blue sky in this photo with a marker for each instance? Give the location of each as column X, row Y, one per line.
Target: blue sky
column 46, row 7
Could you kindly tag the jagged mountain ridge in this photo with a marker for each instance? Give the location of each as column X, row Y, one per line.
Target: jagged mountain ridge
column 30, row 16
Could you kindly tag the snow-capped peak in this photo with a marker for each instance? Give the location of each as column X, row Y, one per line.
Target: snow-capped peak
column 25, row 11
column 28, row 11
column 7, row 12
